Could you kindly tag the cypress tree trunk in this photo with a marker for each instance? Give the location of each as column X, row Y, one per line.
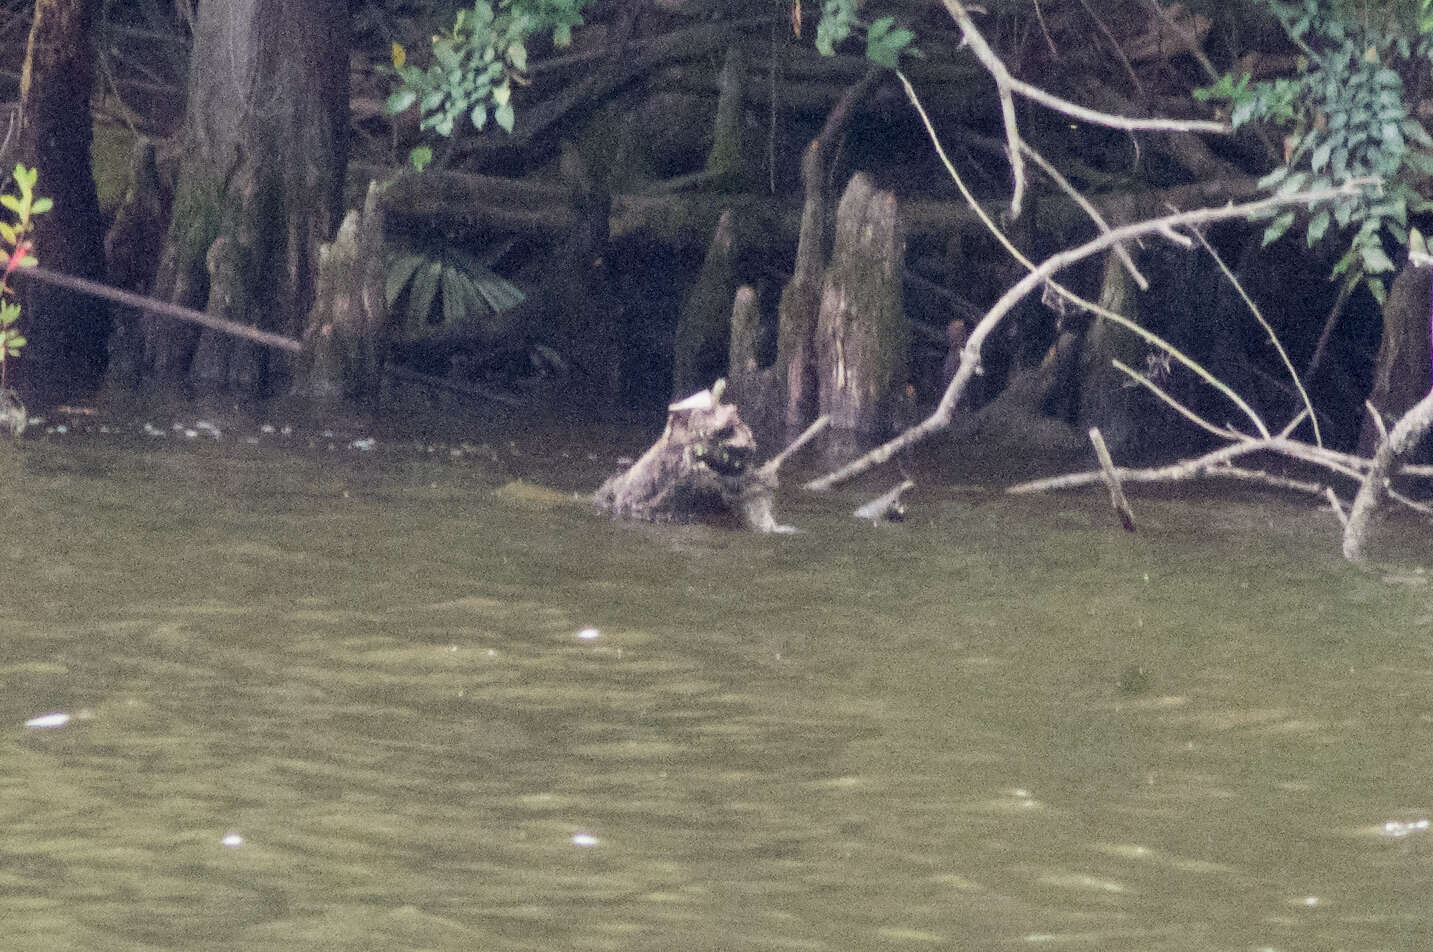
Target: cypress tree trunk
column 260, row 187
column 66, row 331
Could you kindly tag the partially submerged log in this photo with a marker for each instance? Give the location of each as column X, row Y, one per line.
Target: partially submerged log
column 702, row 469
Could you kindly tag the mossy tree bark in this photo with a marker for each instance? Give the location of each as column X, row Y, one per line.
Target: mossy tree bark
column 66, row 331
column 800, row 299
column 345, row 326
column 260, row 187
column 862, row 338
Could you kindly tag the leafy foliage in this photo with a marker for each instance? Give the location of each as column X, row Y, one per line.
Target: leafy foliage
column 885, row 42
column 484, row 55
column 477, row 63
column 445, row 291
column 1347, row 120
column 15, row 238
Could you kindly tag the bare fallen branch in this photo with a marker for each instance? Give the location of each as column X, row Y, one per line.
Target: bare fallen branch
column 1406, row 434
column 807, row 435
column 970, row 354
column 1089, row 209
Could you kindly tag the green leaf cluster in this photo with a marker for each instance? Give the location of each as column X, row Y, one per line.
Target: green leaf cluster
column 15, row 240
column 446, row 291
column 1346, row 119
column 838, row 19
column 476, row 64
column 885, row 42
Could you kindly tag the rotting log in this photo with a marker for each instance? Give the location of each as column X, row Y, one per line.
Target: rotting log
column 862, row 338
column 473, row 206
column 701, row 469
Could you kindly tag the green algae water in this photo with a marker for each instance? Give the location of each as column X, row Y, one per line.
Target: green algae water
column 258, row 697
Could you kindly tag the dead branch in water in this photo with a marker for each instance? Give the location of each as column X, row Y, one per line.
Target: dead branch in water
column 1112, row 480
column 970, row 355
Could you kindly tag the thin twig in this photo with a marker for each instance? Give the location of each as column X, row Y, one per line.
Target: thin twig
column 1045, row 31
column 807, row 435
column 1330, row 323
column 1174, row 404
column 1089, row 209
column 1115, row 45
column 1293, row 424
column 1268, row 329
column 1004, row 83
column 1336, row 506
column 1377, row 420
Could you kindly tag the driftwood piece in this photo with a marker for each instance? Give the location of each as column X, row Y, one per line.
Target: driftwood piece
column 701, row 469
column 887, row 506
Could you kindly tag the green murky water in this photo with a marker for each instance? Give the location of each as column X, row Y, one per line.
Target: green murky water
column 341, row 700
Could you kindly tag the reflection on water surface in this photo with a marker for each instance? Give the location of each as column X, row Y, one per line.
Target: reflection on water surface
column 346, row 700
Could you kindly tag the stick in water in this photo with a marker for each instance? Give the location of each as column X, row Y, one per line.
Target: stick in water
column 1112, row 480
